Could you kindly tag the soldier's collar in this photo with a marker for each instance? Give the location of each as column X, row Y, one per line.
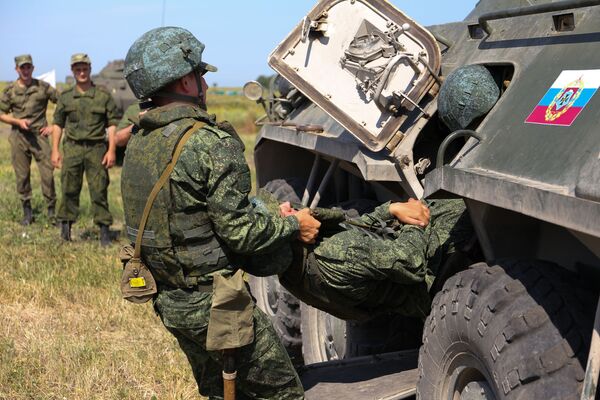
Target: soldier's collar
column 164, row 115
column 23, row 88
column 91, row 92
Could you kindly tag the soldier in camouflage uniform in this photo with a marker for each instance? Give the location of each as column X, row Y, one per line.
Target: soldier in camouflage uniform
column 382, row 262
column 201, row 223
column 27, row 99
column 84, row 112
column 377, row 265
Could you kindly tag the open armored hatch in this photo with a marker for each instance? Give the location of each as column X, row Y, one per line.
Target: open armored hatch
column 363, row 62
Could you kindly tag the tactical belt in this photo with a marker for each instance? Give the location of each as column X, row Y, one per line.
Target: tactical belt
column 193, row 284
column 85, row 142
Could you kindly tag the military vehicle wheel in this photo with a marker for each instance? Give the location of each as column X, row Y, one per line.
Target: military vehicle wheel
column 323, row 336
column 518, row 330
column 284, row 311
column 280, row 305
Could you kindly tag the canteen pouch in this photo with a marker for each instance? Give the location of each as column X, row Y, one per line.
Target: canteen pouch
column 137, row 283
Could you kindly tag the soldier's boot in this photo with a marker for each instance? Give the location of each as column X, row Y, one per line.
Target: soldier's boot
column 104, row 236
column 27, row 213
column 65, row 230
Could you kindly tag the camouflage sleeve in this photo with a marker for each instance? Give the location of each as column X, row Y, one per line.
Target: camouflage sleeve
column 59, row 113
column 235, row 221
column 5, row 107
column 112, row 114
column 381, row 212
column 130, row 115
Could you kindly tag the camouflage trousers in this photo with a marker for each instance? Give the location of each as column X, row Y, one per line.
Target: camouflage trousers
column 24, row 147
column 353, row 275
column 264, row 370
column 77, row 159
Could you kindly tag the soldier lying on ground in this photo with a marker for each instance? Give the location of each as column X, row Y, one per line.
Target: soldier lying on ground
column 381, row 262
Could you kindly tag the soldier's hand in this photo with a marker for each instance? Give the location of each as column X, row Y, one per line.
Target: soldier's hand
column 309, row 227
column 413, row 212
column 56, row 159
column 285, row 209
column 46, row 131
column 109, row 159
column 24, row 124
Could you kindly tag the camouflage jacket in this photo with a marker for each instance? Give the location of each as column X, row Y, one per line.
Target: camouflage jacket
column 85, row 116
column 29, row 102
column 211, row 179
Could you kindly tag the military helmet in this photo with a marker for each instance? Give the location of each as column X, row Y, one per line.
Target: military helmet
column 161, row 56
column 468, row 93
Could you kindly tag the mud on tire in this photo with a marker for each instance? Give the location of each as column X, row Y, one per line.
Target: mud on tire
column 518, row 330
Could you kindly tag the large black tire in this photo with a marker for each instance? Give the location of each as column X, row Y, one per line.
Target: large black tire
column 326, row 338
column 519, row 330
column 284, row 311
column 282, row 307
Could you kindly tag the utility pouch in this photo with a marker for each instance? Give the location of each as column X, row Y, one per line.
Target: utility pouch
column 137, row 283
column 231, row 323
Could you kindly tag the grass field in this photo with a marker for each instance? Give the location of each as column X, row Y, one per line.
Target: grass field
column 65, row 332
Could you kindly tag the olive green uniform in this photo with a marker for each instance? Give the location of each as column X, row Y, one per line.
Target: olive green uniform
column 203, row 224
column 84, row 118
column 30, row 102
column 130, row 116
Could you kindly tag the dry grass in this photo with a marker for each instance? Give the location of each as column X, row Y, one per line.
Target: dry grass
column 65, row 333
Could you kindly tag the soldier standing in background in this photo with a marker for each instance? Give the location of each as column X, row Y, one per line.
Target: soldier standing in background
column 84, row 111
column 202, row 223
column 27, row 99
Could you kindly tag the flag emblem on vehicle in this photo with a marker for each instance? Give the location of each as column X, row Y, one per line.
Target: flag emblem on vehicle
column 566, row 98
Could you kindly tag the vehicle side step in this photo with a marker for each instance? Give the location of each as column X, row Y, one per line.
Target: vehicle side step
column 389, row 376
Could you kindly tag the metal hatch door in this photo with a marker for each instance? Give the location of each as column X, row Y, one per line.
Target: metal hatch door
column 363, row 62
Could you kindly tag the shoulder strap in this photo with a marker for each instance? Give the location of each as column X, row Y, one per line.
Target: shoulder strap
column 164, row 177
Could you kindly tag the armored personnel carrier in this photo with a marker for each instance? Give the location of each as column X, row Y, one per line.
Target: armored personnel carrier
column 111, row 77
column 355, row 119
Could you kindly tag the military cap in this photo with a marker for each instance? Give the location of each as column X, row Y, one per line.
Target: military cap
column 23, row 59
column 80, row 58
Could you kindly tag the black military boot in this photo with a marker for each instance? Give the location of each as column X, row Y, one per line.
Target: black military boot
column 104, row 235
column 27, row 213
column 65, row 230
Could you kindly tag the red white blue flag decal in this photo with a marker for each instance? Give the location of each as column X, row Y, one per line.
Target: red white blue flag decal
column 567, row 97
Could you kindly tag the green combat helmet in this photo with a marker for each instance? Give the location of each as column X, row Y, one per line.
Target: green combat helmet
column 467, row 93
column 161, row 56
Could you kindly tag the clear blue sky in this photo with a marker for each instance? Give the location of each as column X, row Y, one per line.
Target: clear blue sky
column 239, row 34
